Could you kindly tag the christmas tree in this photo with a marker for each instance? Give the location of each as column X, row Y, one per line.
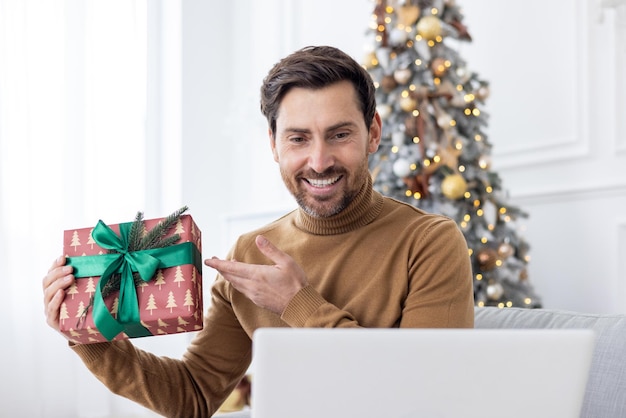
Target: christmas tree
column 434, row 152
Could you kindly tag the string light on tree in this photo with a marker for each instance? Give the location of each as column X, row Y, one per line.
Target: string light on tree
column 435, row 153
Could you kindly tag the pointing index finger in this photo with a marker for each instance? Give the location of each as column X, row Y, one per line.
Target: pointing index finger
column 228, row 266
column 271, row 251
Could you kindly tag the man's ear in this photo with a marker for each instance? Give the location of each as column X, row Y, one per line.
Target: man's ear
column 375, row 133
column 273, row 144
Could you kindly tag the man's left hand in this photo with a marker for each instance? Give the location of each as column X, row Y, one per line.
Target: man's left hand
column 268, row 286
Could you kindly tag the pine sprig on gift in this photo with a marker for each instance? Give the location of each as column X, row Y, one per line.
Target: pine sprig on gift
column 134, row 236
column 155, row 238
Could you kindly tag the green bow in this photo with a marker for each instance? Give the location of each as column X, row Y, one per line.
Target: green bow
column 125, row 262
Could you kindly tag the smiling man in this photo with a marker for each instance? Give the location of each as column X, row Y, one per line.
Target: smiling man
column 323, row 154
column 347, row 257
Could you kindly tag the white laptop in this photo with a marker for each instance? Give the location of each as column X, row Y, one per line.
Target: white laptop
column 419, row 373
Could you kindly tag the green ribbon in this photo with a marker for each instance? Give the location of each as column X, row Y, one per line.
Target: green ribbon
column 125, row 262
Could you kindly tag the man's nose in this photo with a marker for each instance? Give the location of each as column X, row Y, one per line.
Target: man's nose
column 321, row 156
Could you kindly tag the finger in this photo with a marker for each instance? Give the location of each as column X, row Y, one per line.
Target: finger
column 59, row 278
column 271, row 251
column 53, row 308
column 210, row 261
column 53, row 298
column 59, row 261
column 230, row 267
column 55, row 273
column 60, row 283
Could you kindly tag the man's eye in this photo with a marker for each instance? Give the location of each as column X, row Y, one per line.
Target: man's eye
column 296, row 139
column 342, row 135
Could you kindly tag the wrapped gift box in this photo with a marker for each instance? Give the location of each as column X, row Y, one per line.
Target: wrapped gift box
column 169, row 303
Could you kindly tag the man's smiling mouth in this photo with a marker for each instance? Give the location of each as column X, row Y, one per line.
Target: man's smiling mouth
column 322, row 182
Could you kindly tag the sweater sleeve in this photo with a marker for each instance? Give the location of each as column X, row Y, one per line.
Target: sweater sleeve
column 194, row 386
column 309, row 309
column 440, row 280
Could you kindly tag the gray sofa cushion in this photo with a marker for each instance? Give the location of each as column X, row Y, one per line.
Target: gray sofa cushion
column 605, row 395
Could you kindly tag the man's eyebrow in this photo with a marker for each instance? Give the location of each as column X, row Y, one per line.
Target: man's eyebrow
column 297, row 130
column 338, row 125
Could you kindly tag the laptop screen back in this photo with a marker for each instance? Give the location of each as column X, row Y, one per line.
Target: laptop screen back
column 425, row 373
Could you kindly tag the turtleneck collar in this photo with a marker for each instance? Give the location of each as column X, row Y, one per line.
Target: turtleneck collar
column 365, row 207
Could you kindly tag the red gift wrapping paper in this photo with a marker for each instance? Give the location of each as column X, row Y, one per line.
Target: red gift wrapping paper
column 170, row 303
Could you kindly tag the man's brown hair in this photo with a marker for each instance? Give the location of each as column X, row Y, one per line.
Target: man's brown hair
column 315, row 67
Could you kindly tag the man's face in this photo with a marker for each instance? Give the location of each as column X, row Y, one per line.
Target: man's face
column 321, row 146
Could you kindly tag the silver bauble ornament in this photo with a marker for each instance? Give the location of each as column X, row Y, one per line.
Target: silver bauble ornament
column 401, row 167
column 384, row 110
column 402, row 75
column 495, row 291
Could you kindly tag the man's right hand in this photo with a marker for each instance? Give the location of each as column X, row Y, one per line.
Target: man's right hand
column 58, row 279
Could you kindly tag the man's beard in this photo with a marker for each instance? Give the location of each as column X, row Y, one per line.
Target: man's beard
column 323, row 207
column 319, row 211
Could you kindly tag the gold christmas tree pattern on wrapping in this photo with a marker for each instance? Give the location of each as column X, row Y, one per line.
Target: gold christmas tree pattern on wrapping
column 75, row 240
column 140, row 238
column 171, row 302
column 434, row 153
column 191, row 303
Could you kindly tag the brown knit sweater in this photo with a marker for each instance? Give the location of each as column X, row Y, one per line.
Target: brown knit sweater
column 379, row 263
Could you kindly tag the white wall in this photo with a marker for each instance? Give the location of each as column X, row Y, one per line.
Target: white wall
column 557, row 124
column 557, row 121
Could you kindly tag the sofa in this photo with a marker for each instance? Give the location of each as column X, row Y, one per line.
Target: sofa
column 605, row 395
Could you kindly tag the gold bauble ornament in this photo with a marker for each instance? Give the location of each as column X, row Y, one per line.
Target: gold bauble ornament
column 408, row 104
column 407, row 15
column 453, row 186
column 429, row 27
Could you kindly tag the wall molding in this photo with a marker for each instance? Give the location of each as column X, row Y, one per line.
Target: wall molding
column 619, row 26
column 610, row 4
column 576, row 193
column 621, row 264
column 550, row 151
column 616, row 9
column 574, row 146
column 620, row 140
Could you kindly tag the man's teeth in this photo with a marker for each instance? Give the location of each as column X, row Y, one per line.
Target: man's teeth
column 322, row 182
